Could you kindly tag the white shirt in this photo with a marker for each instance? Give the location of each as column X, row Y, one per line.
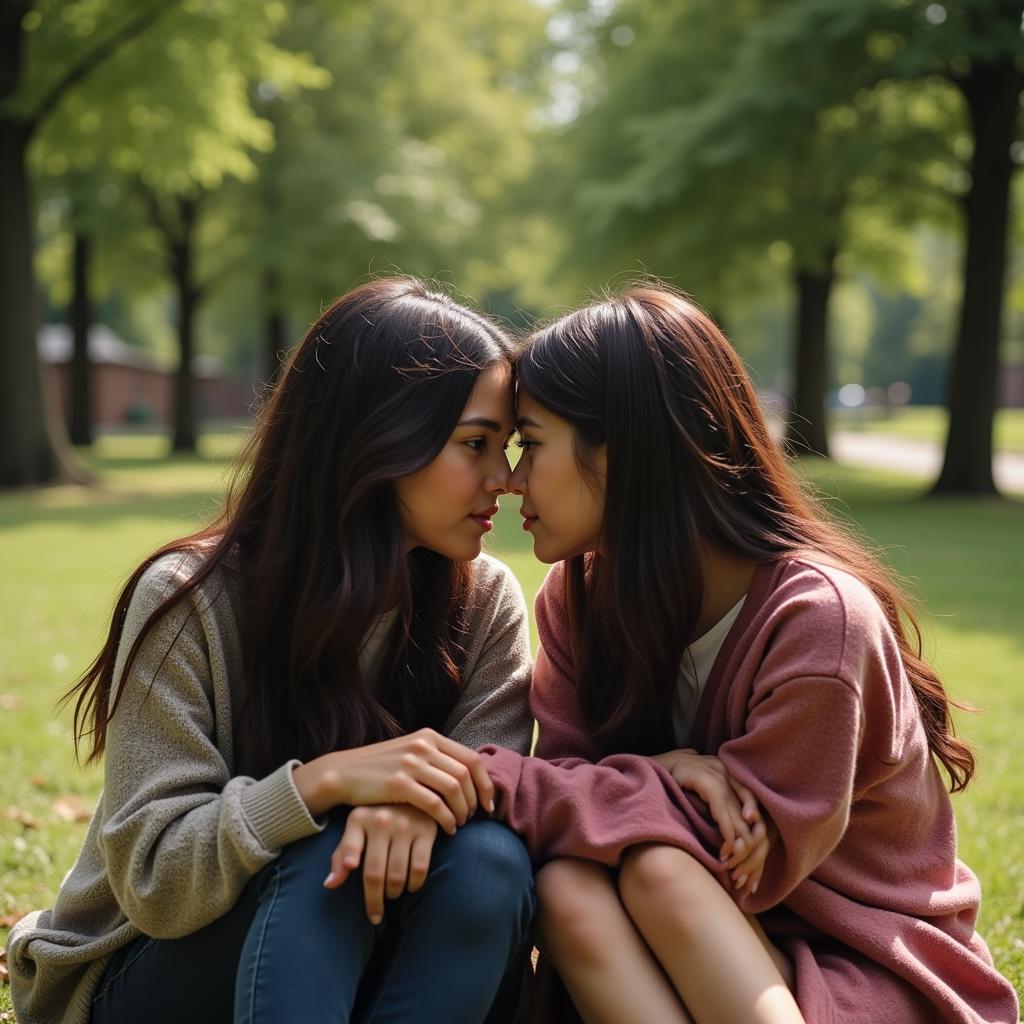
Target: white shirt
column 694, row 669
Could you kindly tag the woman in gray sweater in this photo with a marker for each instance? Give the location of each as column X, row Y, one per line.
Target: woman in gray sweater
column 287, row 703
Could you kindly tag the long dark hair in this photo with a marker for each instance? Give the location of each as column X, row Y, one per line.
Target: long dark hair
column 689, row 460
column 312, row 522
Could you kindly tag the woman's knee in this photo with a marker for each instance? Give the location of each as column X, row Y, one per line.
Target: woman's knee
column 657, row 878
column 569, row 896
column 489, row 866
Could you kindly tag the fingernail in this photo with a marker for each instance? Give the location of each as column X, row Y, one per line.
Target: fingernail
column 741, row 881
column 753, row 888
column 375, row 919
column 490, row 806
column 330, row 878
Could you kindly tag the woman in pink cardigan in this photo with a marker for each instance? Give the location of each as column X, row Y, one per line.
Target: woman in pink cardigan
column 703, row 605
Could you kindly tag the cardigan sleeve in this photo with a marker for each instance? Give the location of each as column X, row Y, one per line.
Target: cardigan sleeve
column 799, row 757
column 494, row 705
column 180, row 835
column 798, row 753
column 562, row 803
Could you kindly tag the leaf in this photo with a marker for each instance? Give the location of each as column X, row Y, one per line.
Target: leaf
column 22, row 817
column 69, row 807
column 10, row 702
column 11, row 919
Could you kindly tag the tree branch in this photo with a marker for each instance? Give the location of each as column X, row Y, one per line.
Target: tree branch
column 88, row 62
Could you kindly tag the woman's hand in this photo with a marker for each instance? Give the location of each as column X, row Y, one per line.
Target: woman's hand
column 430, row 772
column 394, row 844
column 734, row 809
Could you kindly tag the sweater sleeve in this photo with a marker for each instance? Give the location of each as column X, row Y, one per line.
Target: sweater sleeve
column 562, row 803
column 180, row 836
column 798, row 756
column 798, row 753
column 494, row 705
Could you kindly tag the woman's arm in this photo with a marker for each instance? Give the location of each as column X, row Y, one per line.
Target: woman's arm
column 560, row 801
column 797, row 755
column 179, row 834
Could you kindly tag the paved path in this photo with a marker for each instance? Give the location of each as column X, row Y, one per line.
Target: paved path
column 916, row 457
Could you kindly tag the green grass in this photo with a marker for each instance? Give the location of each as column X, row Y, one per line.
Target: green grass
column 928, row 423
column 64, row 552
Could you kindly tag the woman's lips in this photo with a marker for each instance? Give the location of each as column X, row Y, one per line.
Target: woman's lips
column 528, row 521
column 484, row 519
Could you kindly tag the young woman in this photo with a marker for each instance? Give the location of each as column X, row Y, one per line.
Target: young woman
column 702, row 604
column 294, row 692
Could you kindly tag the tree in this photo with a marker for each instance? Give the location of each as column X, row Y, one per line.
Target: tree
column 34, row 80
column 90, row 84
column 405, row 170
column 781, row 139
column 977, row 45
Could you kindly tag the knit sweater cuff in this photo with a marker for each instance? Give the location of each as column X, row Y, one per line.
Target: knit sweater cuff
column 276, row 813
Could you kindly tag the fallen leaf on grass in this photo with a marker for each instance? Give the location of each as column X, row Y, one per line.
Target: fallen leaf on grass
column 11, row 919
column 22, row 817
column 71, row 808
column 10, row 702
column 39, row 781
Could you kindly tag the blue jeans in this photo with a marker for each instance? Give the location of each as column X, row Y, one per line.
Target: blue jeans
column 293, row 951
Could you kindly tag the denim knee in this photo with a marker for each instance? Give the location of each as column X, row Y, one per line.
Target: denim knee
column 490, row 872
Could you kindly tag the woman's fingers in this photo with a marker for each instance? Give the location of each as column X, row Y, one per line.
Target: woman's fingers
column 419, row 861
column 461, row 774
column 728, row 815
column 747, row 874
column 375, row 865
column 411, row 792
column 714, row 796
column 448, row 788
column 475, row 763
column 347, row 853
column 749, row 806
column 397, row 872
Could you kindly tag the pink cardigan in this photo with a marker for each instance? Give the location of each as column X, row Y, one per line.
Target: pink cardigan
column 809, row 705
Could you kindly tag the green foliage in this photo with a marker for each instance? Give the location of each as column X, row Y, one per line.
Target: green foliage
column 172, row 107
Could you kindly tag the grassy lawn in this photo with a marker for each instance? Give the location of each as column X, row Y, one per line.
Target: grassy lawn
column 64, row 552
column 928, row 423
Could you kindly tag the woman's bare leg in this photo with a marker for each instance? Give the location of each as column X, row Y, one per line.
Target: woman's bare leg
column 590, row 940
column 718, row 963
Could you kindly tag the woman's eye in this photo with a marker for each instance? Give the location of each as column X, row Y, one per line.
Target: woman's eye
column 526, row 443
column 478, row 444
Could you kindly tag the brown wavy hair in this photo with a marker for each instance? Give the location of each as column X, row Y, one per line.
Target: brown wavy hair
column 312, row 522
column 689, row 461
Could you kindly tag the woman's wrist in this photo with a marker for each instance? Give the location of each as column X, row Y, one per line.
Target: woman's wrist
column 320, row 783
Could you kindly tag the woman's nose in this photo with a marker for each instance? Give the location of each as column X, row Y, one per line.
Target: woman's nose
column 497, row 481
column 518, row 477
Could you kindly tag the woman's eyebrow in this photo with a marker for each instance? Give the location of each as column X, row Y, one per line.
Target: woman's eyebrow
column 525, row 421
column 480, row 421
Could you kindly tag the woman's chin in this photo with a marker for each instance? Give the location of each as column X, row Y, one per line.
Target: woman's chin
column 546, row 553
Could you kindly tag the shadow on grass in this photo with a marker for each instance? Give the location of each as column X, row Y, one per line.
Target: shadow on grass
column 199, row 505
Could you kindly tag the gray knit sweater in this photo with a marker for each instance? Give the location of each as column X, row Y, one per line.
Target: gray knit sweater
column 177, row 833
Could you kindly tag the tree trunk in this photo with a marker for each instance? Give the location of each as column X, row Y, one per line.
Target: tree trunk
column 33, row 446
column 185, row 432
column 806, row 432
column 991, row 92
column 80, row 425
column 274, row 329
